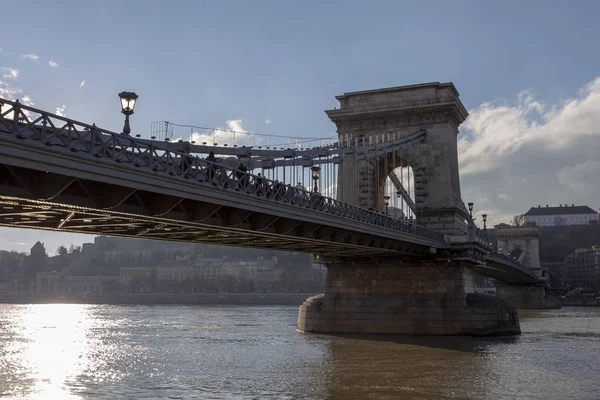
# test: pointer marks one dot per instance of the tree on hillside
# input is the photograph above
(61, 251)
(74, 249)
(518, 220)
(11, 261)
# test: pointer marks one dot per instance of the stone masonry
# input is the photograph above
(431, 294)
(523, 243)
(376, 116)
(425, 297)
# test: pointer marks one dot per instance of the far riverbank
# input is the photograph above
(164, 298)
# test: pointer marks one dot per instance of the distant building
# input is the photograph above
(583, 268)
(562, 215)
(137, 279)
(36, 261)
(53, 282)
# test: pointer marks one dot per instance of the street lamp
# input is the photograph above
(316, 173)
(470, 210)
(127, 103)
(484, 217)
(386, 201)
(401, 200)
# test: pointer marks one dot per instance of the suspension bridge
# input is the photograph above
(379, 204)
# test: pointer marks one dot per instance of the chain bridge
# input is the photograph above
(379, 205)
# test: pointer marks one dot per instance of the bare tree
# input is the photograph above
(518, 220)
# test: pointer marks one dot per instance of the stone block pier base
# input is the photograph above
(428, 298)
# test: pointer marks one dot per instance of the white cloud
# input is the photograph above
(9, 92)
(82, 84)
(234, 133)
(515, 156)
(268, 121)
(10, 73)
(235, 125)
(60, 111)
(27, 101)
(30, 56)
(494, 132)
(52, 63)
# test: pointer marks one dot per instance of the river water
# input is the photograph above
(118, 352)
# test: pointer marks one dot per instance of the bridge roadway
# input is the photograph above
(82, 179)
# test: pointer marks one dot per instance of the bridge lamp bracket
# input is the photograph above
(386, 201)
(316, 174)
(128, 100)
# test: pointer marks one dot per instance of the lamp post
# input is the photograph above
(386, 201)
(316, 173)
(484, 217)
(399, 196)
(127, 103)
(470, 210)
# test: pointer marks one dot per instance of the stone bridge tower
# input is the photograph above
(521, 242)
(375, 116)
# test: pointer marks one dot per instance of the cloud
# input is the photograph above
(234, 133)
(504, 196)
(11, 92)
(60, 111)
(516, 155)
(10, 73)
(27, 101)
(52, 63)
(82, 84)
(8, 91)
(580, 178)
(268, 121)
(30, 56)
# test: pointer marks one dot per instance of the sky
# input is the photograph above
(527, 71)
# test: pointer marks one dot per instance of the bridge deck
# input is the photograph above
(88, 184)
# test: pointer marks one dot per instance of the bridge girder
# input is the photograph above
(78, 206)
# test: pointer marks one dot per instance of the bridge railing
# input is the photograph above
(28, 123)
(480, 236)
(510, 260)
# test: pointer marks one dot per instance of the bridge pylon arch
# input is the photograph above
(372, 117)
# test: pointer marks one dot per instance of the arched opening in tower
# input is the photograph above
(395, 178)
(399, 193)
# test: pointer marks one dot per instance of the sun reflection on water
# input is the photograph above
(52, 347)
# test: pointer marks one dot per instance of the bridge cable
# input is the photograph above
(385, 182)
(409, 168)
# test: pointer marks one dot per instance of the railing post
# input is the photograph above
(16, 115)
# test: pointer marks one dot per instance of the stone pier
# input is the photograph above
(526, 296)
(430, 298)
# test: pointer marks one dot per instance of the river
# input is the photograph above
(62, 351)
